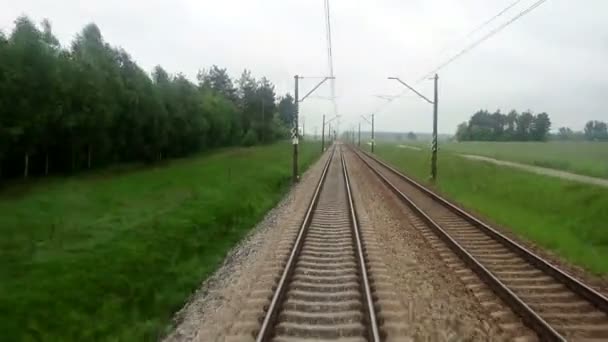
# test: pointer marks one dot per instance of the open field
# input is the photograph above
(565, 217)
(111, 256)
(586, 158)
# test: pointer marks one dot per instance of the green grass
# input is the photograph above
(112, 256)
(566, 217)
(587, 158)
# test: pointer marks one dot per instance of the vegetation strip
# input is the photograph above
(584, 158)
(111, 268)
(497, 263)
(541, 170)
(64, 110)
(563, 216)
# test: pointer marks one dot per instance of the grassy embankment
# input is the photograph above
(586, 158)
(110, 256)
(566, 217)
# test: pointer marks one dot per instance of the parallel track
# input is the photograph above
(555, 305)
(324, 291)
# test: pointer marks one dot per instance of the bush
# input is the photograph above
(250, 138)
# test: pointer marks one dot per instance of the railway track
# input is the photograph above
(324, 291)
(552, 303)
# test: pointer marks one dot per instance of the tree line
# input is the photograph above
(514, 126)
(594, 131)
(90, 105)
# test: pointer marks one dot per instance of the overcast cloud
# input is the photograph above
(555, 59)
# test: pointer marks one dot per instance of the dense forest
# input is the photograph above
(486, 126)
(67, 109)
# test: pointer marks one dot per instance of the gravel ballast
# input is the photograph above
(440, 307)
(422, 291)
(214, 308)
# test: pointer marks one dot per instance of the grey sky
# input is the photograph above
(553, 60)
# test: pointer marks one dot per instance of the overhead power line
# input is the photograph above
(484, 38)
(489, 21)
(471, 46)
(480, 27)
(328, 38)
(330, 60)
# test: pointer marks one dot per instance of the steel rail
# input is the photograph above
(529, 316)
(594, 297)
(373, 332)
(279, 293)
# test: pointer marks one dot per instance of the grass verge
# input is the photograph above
(586, 158)
(566, 217)
(112, 256)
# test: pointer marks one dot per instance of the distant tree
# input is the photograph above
(286, 109)
(100, 85)
(481, 126)
(32, 63)
(486, 126)
(412, 136)
(511, 122)
(498, 121)
(524, 126)
(217, 79)
(601, 131)
(139, 124)
(462, 132)
(564, 133)
(224, 120)
(279, 129)
(247, 99)
(266, 106)
(4, 106)
(540, 127)
(167, 134)
(590, 130)
(596, 130)
(250, 138)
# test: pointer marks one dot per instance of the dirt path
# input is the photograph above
(542, 170)
(410, 147)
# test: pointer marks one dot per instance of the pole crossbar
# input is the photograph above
(296, 129)
(315, 87)
(411, 88)
(435, 104)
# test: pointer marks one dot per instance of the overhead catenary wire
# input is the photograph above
(483, 25)
(389, 99)
(330, 61)
(328, 38)
(489, 21)
(483, 39)
(471, 46)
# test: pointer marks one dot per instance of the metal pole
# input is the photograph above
(329, 134)
(295, 133)
(359, 135)
(323, 135)
(373, 141)
(304, 128)
(434, 147)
